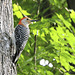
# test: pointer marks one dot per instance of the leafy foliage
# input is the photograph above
(55, 38)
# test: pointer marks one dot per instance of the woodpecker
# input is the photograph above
(22, 32)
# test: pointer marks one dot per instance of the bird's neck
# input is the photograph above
(27, 26)
(23, 23)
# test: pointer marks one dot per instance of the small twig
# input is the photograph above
(35, 52)
(68, 10)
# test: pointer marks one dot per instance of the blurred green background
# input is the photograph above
(50, 49)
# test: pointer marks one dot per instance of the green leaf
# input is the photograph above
(35, 32)
(49, 73)
(64, 63)
(67, 24)
(17, 11)
(18, 14)
(15, 7)
(72, 15)
(67, 74)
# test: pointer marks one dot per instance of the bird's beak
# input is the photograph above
(33, 20)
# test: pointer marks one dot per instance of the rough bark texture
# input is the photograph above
(7, 47)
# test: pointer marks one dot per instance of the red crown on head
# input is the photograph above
(21, 20)
(20, 23)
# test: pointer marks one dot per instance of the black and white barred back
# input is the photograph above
(21, 37)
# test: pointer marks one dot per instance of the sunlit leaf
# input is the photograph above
(72, 15)
(49, 73)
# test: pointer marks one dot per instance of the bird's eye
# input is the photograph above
(27, 19)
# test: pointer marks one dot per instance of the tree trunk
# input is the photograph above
(7, 45)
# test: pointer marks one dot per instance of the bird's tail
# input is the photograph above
(16, 56)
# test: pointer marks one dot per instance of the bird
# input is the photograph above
(22, 33)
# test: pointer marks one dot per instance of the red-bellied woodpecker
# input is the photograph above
(21, 36)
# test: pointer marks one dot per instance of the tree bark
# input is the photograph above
(7, 45)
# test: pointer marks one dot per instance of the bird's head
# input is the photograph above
(26, 21)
